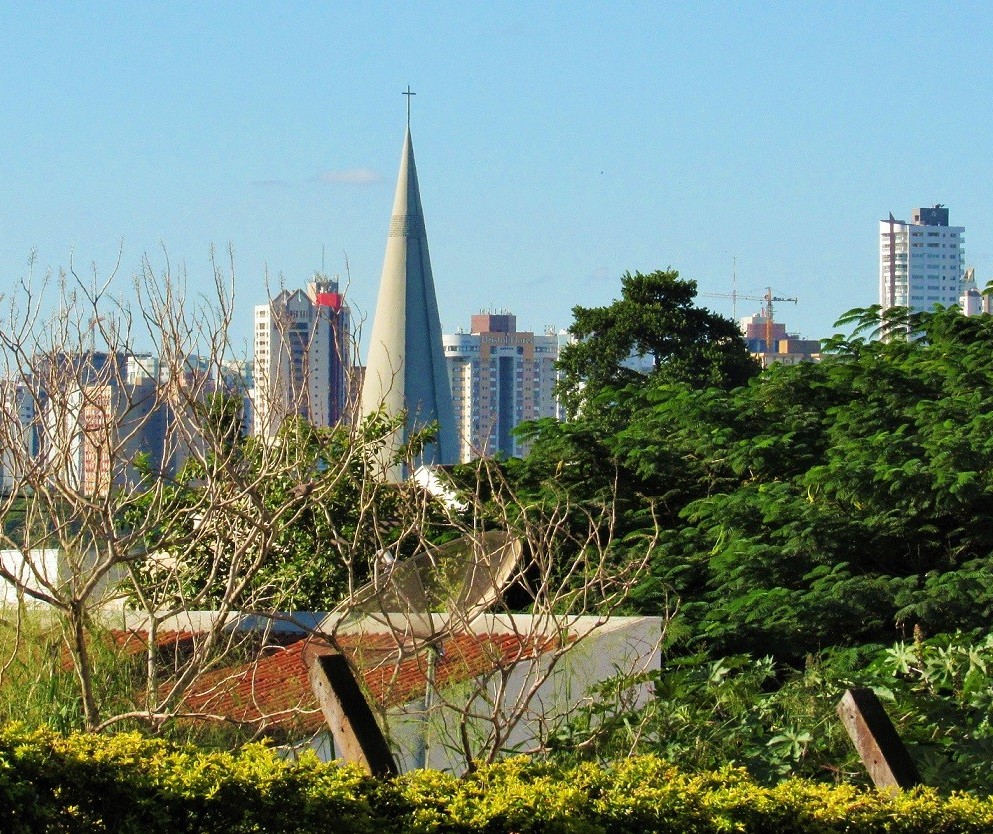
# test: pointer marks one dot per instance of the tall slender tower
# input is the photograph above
(405, 371)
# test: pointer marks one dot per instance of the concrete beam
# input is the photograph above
(877, 741)
(357, 737)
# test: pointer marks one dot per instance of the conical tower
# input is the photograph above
(405, 370)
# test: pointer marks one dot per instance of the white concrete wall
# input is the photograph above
(600, 651)
(44, 570)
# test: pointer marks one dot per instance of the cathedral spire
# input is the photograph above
(408, 94)
(405, 369)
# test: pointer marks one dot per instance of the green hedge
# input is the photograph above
(126, 783)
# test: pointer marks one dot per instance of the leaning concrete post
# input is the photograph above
(357, 737)
(876, 740)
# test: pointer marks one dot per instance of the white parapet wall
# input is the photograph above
(51, 572)
(522, 700)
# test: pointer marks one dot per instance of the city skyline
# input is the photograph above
(558, 147)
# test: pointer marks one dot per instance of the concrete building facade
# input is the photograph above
(302, 341)
(921, 263)
(91, 414)
(500, 377)
(19, 430)
(85, 418)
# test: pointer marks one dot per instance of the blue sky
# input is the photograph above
(557, 145)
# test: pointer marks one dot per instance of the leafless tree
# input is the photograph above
(469, 655)
(127, 486)
(132, 498)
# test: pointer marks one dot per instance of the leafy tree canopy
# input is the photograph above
(829, 504)
(332, 514)
(654, 318)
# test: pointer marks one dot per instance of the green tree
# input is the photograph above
(609, 451)
(827, 504)
(329, 516)
(847, 501)
(655, 318)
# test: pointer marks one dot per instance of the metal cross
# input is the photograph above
(408, 94)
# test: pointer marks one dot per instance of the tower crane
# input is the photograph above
(768, 298)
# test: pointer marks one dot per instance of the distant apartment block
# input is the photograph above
(87, 416)
(769, 342)
(301, 367)
(500, 377)
(83, 419)
(19, 430)
(921, 263)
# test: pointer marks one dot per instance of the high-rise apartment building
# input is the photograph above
(19, 430)
(94, 420)
(500, 378)
(302, 349)
(92, 415)
(921, 262)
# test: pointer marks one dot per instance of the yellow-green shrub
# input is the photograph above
(127, 783)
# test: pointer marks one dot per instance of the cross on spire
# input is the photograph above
(408, 94)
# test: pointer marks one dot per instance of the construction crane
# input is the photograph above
(768, 298)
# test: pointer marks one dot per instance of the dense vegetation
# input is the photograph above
(821, 526)
(125, 783)
(818, 505)
(818, 526)
(779, 723)
(328, 520)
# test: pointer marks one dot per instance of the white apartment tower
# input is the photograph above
(500, 378)
(19, 432)
(302, 349)
(921, 262)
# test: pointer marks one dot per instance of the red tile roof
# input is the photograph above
(466, 656)
(273, 689)
(136, 642)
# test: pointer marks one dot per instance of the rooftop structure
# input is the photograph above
(499, 658)
(769, 342)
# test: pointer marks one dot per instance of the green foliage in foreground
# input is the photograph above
(38, 685)
(778, 723)
(40, 688)
(317, 495)
(128, 784)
